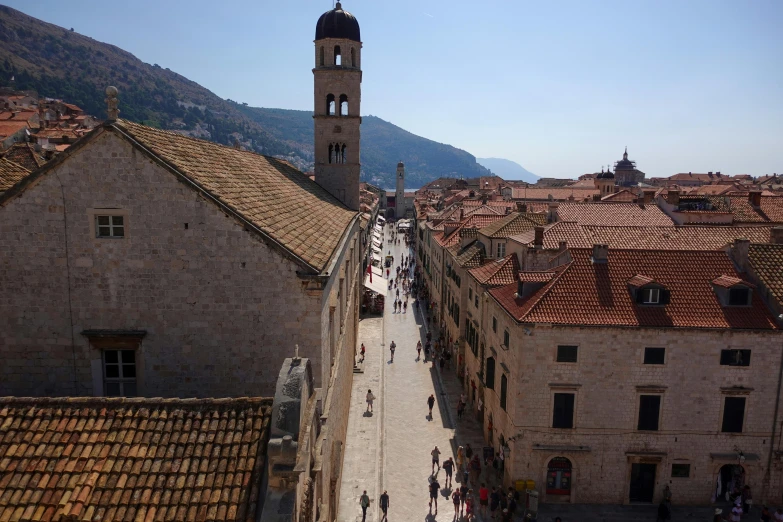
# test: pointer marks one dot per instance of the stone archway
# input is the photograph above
(390, 214)
(559, 484)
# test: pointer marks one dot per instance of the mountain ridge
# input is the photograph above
(60, 63)
(508, 169)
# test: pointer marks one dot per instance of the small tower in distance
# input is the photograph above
(399, 195)
(338, 78)
(604, 182)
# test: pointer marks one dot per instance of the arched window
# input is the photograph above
(330, 106)
(353, 57)
(321, 62)
(338, 60)
(558, 476)
(331, 152)
(342, 154)
(343, 105)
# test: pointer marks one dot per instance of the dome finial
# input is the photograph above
(338, 7)
(625, 154)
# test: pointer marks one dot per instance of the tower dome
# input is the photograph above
(337, 24)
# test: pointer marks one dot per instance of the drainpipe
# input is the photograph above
(768, 476)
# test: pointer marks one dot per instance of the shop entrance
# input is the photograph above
(730, 481)
(558, 478)
(642, 482)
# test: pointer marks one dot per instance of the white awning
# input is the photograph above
(376, 250)
(377, 244)
(377, 236)
(378, 284)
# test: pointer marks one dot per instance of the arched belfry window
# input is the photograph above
(321, 62)
(353, 57)
(343, 105)
(330, 105)
(338, 60)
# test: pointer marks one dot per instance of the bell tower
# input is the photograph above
(338, 79)
(399, 195)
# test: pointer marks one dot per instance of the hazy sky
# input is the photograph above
(560, 87)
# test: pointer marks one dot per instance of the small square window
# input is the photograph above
(735, 357)
(681, 470)
(567, 354)
(739, 296)
(651, 295)
(109, 226)
(654, 355)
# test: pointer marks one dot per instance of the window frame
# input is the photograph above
(573, 410)
(686, 465)
(494, 324)
(723, 413)
(94, 213)
(120, 380)
(648, 292)
(489, 375)
(644, 356)
(744, 353)
(735, 289)
(506, 338)
(558, 359)
(500, 246)
(503, 392)
(641, 397)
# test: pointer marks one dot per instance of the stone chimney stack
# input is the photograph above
(776, 235)
(754, 198)
(674, 197)
(553, 216)
(600, 253)
(521, 207)
(538, 240)
(112, 104)
(740, 252)
(649, 196)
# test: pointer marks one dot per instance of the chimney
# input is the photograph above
(112, 104)
(562, 246)
(649, 195)
(461, 213)
(776, 236)
(538, 239)
(521, 207)
(740, 252)
(674, 197)
(600, 253)
(552, 217)
(596, 197)
(754, 198)
(484, 199)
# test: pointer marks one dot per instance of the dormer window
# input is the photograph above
(647, 292)
(651, 295)
(732, 291)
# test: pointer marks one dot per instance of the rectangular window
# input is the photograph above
(475, 303)
(566, 354)
(654, 355)
(681, 470)
(651, 296)
(501, 250)
(733, 415)
(109, 226)
(563, 415)
(470, 293)
(490, 380)
(506, 339)
(119, 373)
(503, 390)
(494, 325)
(739, 296)
(735, 357)
(649, 412)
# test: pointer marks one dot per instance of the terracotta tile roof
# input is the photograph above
(281, 201)
(535, 277)
(484, 209)
(24, 154)
(568, 231)
(58, 133)
(9, 128)
(640, 280)
(767, 263)
(705, 178)
(469, 257)
(623, 196)
(132, 459)
(769, 211)
(10, 174)
(616, 214)
(498, 272)
(476, 221)
(584, 293)
(554, 194)
(726, 281)
(512, 224)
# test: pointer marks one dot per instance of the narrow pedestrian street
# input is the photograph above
(391, 449)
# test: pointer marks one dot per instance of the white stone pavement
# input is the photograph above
(390, 450)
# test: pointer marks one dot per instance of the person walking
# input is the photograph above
(455, 498)
(469, 507)
(483, 499)
(736, 512)
(460, 458)
(370, 397)
(361, 354)
(431, 403)
(460, 409)
(364, 501)
(405, 307)
(418, 349)
(448, 467)
(392, 347)
(475, 469)
(384, 503)
(435, 459)
(494, 501)
(463, 495)
(434, 489)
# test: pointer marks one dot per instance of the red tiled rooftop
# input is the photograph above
(584, 293)
(132, 459)
(498, 272)
(614, 214)
(726, 281)
(767, 264)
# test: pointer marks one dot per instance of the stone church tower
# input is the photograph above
(399, 195)
(338, 79)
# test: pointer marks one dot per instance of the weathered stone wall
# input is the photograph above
(221, 309)
(607, 380)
